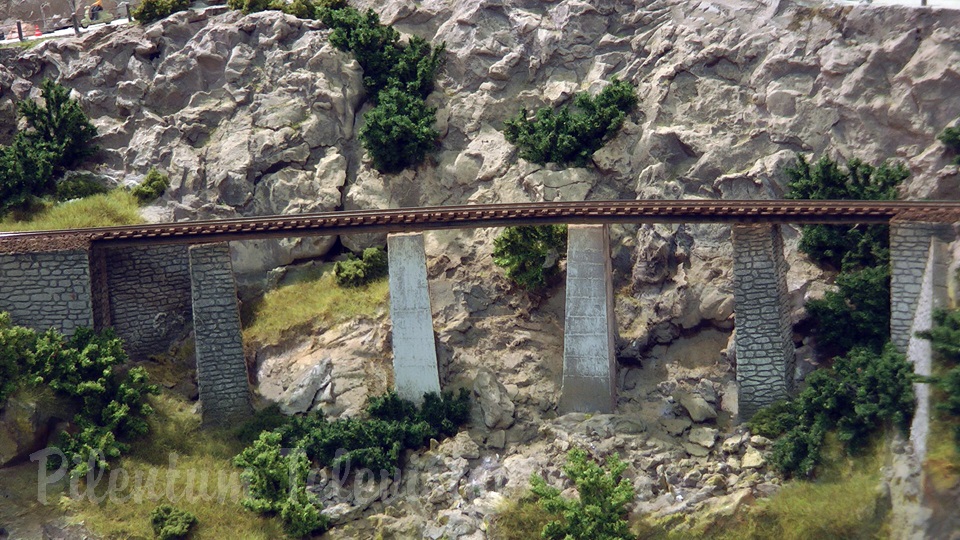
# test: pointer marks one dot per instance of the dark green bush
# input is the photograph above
(600, 512)
(151, 187)
(17, 346)
(398, 132)
(863, 392)
(78, 187)
(253, 6)
(171, 523)
(774, 420)
(951, 139)
(570, 137)
(355, 272)
(857, 314)
(531, 255)
(945, 340)
(153, 10)
(842, 246)
(302, 9)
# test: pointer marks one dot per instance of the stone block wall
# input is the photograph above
(47, 290)
(221, 368)
(909, 252)
(415, 370)
(148, 293)
(765, 351)
(589, 328)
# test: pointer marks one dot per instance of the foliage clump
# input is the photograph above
(600, 510)
(253, 6)
(58, 136)
(112, 407)
(862, 392)
(355, 272)
(530, 256)
(153, 10)
(78, 187)
(398, 132)
(171, 523)
(945, 340)
(951, 138)
(278, 481)
(571, 136)
(151, 187)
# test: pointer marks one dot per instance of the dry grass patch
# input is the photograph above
(519, 517)
(118, 207)
(177, 464)
(314, 301)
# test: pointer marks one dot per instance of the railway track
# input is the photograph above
(488, 215)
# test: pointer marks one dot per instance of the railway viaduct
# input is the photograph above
(149, 282)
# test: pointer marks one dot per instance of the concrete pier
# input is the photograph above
(765, 351)
(221, 368)
(910, 249)
(589, 361)
(414, 350)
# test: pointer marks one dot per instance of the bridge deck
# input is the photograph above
(487, 215)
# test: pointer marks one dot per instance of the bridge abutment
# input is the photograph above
(911, 245)
(415, 368)
(44, 290)
(765, 350)
(589, 330)
(221, 368)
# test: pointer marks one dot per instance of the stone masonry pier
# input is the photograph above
(765, 351)
(221, 368)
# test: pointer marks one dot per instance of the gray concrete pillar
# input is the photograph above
(589, 356)
(221, 369)
(932, 296)
(765, 351)
(909, 252)
(415, 369)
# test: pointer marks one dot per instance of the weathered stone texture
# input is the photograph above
(47, 290)
(589, 361)
(221, 369)
(765, 351)
(909, 252)
(149, 294)
(414, 350)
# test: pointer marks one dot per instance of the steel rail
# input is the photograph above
(494, 215)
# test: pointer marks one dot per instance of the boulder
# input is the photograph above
(752, 459)
(697, 407)
(307, 389)
(704, 436)
(495, 405)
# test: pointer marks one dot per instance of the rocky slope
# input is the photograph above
(258, 114)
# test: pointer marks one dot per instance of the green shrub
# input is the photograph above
(151, 187)
(171, 523)
(863, 392)
(252, 6)
(398, 132)
(774, 420)
(842, 246)
(857, 314)
(945, 340)
(951, 139)
(78, 187)
(531, 255)
(59, 124)
(355, 272)
(302, 9)
(16, 350)
(570, 137)
(600, 511)
(153, 10)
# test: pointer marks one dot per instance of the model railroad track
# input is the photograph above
(491, 215)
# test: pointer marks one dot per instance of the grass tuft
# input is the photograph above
(519, 518)
(118, 207)
(177, 464)
(313, 301)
